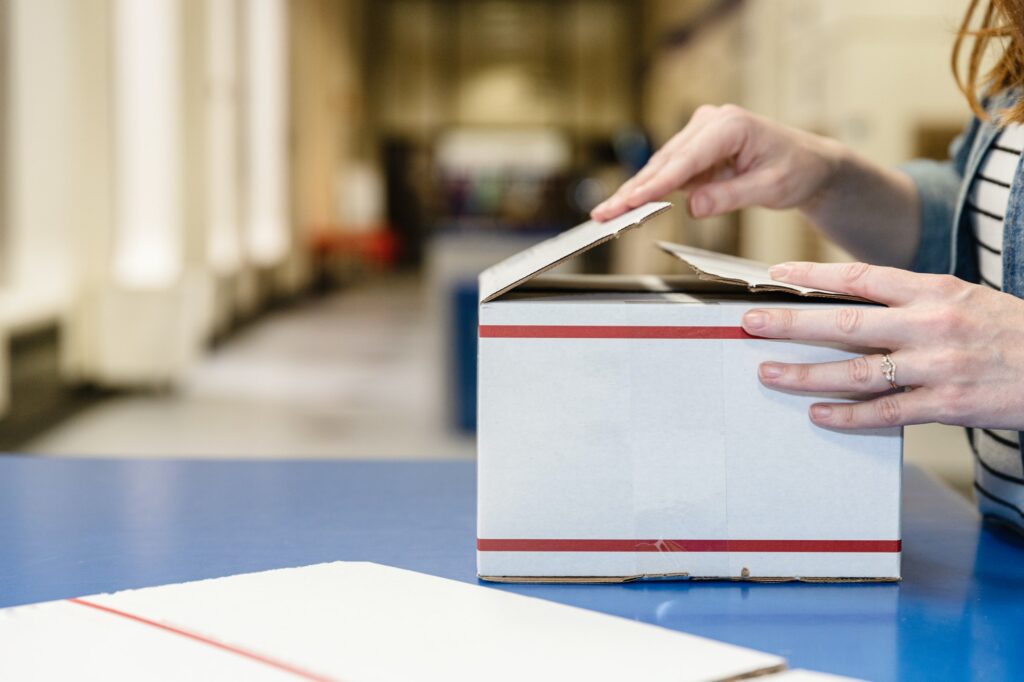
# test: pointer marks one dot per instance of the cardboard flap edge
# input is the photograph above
(732, 270)
(525, 265)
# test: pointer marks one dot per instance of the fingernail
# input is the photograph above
(771, 370)
(780, 271)
(702, 205)
(600, 207)
(755, 320)
(821, 411)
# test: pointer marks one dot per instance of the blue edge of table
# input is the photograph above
(71, 527)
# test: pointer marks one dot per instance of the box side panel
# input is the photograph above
(589, 439)
(671, 445)
(846, 484)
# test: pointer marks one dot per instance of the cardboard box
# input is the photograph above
(623, 432)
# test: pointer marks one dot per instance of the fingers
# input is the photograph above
(616, 204)
(859, 325)
(697, 123)
(858, 375)
(891, 286)
(669, 169)
(720, 140)
(619, 203)
(897, 409)
(760, 188)
(702, 116)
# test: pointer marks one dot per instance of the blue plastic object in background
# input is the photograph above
(464, 324)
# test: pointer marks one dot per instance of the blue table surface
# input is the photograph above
(73, 527)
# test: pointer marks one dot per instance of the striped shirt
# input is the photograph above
(995, 450)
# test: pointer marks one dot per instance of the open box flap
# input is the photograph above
(514, 270)
(717, 267)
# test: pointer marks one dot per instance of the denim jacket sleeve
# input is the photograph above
(938, 187)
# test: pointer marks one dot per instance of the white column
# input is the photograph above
(40, 162)
(224, 247)
(148, 139)
(267, 217)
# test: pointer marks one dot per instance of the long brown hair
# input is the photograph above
(1001, 22)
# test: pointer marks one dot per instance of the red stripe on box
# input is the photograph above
(559, 545)
(238, 651)
(544, 331)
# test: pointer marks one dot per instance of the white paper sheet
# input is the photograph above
(348, 621)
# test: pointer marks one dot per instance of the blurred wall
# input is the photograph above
(496, 70)
(495, 62)
(167, 164)
(147, 175)
(873, 74)
(327, 66)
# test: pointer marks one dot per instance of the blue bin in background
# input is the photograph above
(464, 325)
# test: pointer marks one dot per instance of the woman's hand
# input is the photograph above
(958, 346)
(729, 158)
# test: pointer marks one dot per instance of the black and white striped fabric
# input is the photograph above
(999, 471)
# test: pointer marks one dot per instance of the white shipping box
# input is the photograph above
(623, 432)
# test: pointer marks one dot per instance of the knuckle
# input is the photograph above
(849, 320)
(950, 362)
(775, 180)
(725, 196)
(730, 109)
(944, 321)
(852, 273)
(703, 111)
(859, 370)
(784, 319)
(946, 286)
(844, 415)
(953, 403)
(888, 410)
(802, 271)
(802, 375)
(734, 116)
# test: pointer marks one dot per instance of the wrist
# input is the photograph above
(834, 161)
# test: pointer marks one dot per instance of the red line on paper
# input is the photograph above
(544, 331)
(566, 545)
(238, 651)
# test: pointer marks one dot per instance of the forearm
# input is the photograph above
(871, 211)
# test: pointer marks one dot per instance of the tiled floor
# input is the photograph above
(356, 374)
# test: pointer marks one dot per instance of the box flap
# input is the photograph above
(688, 283)
(717, 267)
(509, 273)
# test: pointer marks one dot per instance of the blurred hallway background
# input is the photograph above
(252, 227)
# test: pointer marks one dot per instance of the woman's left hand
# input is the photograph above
(958, 346)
